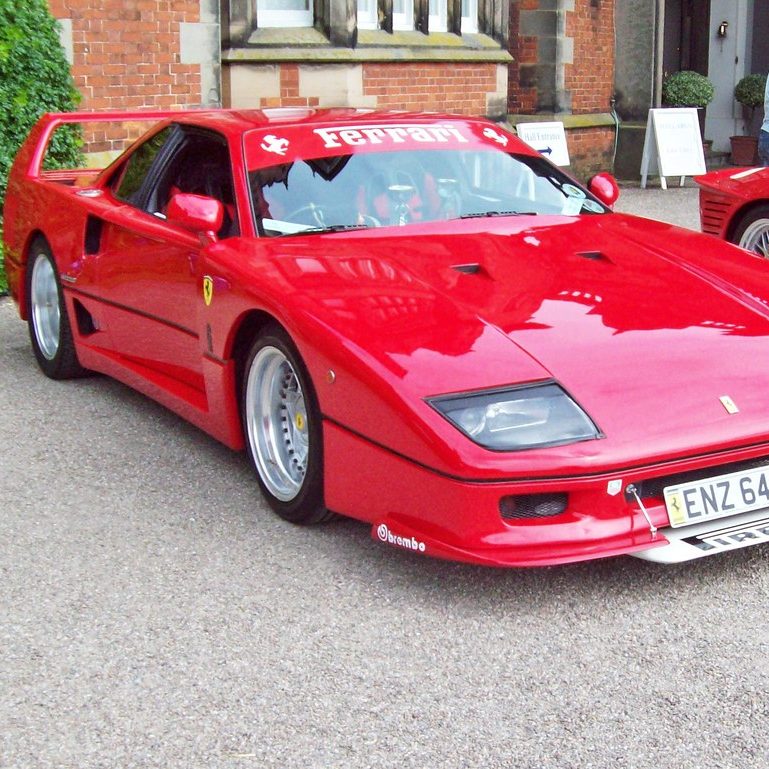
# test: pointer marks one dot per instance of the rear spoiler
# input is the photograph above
(32, 153)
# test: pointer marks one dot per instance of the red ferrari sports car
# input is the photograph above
(734, 205)
(413, 320)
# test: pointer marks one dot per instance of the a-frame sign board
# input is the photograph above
(673, 146)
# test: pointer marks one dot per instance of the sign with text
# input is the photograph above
(549, 139)
(673, 145)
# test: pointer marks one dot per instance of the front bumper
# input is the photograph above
(420, 510)
(711, 538)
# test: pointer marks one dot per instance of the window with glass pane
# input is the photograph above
(284, 13)
(438, 13)
(403, 14)
(469, 16)
(367, 16)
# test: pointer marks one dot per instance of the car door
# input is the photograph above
(149, 270)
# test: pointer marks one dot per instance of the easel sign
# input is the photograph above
(549, 139)
(673, 145)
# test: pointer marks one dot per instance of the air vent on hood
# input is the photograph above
(595, 256)
(468, 269)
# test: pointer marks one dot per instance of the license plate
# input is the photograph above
(717, 497)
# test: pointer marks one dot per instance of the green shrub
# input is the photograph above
(34, 78)
(687, 89)
(750, 90)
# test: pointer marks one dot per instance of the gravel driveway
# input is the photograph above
(153, 613)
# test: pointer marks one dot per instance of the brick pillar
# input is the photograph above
(543, 32)
(139, 54)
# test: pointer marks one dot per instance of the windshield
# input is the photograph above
(378, 189)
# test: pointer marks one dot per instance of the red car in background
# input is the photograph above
(413, 320)
(734, 205)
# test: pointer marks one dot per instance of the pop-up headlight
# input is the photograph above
(518, 418)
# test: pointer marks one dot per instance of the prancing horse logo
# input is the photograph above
(208, 289)
(274, 144)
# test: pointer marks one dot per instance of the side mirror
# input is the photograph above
(604, 187)
(197, 213)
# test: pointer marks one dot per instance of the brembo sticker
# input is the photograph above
(410, 543)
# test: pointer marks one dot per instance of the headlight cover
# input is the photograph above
(517, 418)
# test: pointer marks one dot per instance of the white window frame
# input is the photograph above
(404, 21)
(469, 23)
(439, 22)
(284, 18)
(367, 16)
(367, 12)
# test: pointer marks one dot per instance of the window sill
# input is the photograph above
(306, 44)
(570, 121)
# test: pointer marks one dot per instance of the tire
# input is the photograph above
(282, 427)
(752, 231)
(47, 319)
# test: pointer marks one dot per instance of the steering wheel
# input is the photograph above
(317, 214)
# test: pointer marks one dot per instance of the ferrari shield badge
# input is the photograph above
(208, 289)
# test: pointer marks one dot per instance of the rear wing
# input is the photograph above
(30, 158)
(20, 207)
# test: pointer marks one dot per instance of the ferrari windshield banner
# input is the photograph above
(355, 136)
(278, 144)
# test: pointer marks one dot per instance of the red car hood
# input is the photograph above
(646, 325)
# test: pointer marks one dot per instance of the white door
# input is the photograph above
(727, 62)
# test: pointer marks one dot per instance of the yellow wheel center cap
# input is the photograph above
(300, 422)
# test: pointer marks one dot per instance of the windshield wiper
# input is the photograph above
(329, 228)
(482, 214)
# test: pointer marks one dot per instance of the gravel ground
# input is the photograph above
(155, 614)
(677, 205)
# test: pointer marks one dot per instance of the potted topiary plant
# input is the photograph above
(750, 93)
(688, 89)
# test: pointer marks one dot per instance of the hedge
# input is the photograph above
(34, 78)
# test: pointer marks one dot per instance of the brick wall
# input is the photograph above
(585, 85)
(290, 96)
(590, 151)
(521, 99)
(127, 56)
(458, 87)
(438, 87)
(590, 79)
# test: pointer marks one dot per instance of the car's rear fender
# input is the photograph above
(17, 274)
(738, 214)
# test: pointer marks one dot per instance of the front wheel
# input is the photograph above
(283, 428)
(49, 328)
(752, 232)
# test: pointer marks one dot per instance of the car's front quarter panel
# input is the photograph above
(362, 374)
(378, 341)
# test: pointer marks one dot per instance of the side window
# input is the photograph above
(129, 180)
(200, 166)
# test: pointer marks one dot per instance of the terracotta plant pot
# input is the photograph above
(744, 150)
